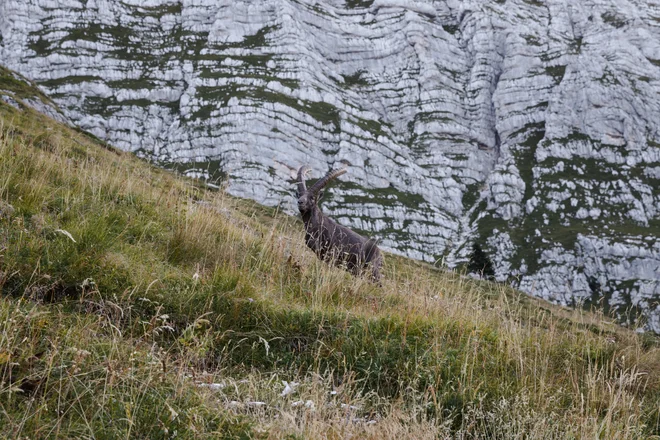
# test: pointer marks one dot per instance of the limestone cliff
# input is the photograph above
(528, 126)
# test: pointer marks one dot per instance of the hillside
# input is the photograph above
(139, 304)
(528, 127)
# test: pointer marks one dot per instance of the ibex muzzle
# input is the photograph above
(330, 241)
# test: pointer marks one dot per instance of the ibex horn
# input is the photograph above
(301, 179)
(318, 186)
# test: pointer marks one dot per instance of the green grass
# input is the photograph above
(613, 19)
(358, 4)
(164, 287)
(556, 72)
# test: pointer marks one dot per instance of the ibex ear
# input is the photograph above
(320, 195)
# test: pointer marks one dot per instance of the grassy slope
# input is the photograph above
(169, 287)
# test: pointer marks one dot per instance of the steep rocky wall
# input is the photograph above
(528, 126)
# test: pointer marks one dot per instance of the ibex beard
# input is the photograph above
(330, 241)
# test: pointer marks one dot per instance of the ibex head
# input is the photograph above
(308, 198)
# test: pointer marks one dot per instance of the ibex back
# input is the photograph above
(333, 242)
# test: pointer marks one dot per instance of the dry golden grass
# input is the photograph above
(140, 304)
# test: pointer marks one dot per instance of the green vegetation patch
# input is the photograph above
(21, 87)
(556, 72)
(613, 19)
(356, 79)
(358, 4)
(139, 304)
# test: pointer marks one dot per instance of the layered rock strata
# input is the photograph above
(528, 126)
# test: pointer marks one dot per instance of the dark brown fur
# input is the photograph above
(330, 241)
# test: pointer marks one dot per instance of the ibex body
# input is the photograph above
(333, 242)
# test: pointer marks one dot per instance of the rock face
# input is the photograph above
(528, 126)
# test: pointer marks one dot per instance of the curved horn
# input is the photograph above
(318, 186)
(301, 179)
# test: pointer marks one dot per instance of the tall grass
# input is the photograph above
(139, 304)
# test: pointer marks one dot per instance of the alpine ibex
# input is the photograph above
(330, 241)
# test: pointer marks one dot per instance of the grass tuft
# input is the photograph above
(139, 304)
